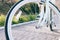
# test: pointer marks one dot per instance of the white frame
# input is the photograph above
(14, 10)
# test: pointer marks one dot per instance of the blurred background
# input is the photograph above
(30, 9)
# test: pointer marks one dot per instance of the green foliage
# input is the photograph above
(2, 20)
(30, 8)
(23, 19)
(14, 21)
(27, 18)
(4, 7)
(9, 4)
(32, 17)
(27, 8)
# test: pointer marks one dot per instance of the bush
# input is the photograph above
(23, 19)
(2, 20)
(4, 7)
(14, 21)
(30, 8)
(32, 17)
(27, 18)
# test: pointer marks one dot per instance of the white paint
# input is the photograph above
(46, 16)
(41, 15)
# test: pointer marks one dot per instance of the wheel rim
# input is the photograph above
(8, 31)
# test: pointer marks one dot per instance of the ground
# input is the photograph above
(29, 32)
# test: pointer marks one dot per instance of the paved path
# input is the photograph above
(28, 32)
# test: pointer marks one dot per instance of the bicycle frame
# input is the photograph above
(19, 4)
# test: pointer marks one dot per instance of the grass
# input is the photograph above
(2, 20)
(22, 19)
(25, 18)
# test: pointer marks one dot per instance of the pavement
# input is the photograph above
(29, 32)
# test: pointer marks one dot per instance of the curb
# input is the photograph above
(25, 23)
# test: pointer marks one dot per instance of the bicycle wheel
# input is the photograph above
(55, 12)
(11, 13)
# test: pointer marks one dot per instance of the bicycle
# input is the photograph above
(13, 10)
